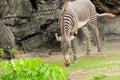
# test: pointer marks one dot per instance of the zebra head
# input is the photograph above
(66, 47)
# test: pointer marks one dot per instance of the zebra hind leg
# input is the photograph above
(74, 47)
(97, 36)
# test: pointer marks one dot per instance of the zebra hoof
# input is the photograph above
(99, 51)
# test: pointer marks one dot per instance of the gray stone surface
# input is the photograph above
(7, 40)
(109, 26)
(107, 6)
(34, 22)
(6, 36)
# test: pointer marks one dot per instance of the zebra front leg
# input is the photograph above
(88, 38)
(74, 47)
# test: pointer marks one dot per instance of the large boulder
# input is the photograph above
(109, 28)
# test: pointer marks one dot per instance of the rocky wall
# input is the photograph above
(34, 22)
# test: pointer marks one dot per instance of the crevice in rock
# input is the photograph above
(48, 22)
(99, 11)
(34, 4)
(110, 6)
(19, 42)
(30, 36)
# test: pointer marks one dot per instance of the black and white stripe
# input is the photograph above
(66, 22)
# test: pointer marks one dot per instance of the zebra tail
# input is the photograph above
(106, 15)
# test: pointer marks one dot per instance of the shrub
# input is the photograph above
(30, 69)
(8, 53)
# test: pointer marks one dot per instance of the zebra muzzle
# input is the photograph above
(67, 60)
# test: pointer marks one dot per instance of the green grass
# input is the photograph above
(98, 76)
(105, 66)
(115, 77)
(105, 63)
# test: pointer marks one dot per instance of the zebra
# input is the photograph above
(75, 15)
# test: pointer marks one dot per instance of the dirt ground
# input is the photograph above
(105, 47)
(56, 56)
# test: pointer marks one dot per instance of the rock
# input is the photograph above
(6, 36)
(7, 40)
(34, 22)
(109, 26)
(112, 6)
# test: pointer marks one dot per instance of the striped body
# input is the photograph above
(75, 15)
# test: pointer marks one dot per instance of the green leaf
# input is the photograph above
(54, 75)
(13, 64)
(47, 74)
(29, 69)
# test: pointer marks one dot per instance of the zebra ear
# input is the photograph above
(58, 38)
